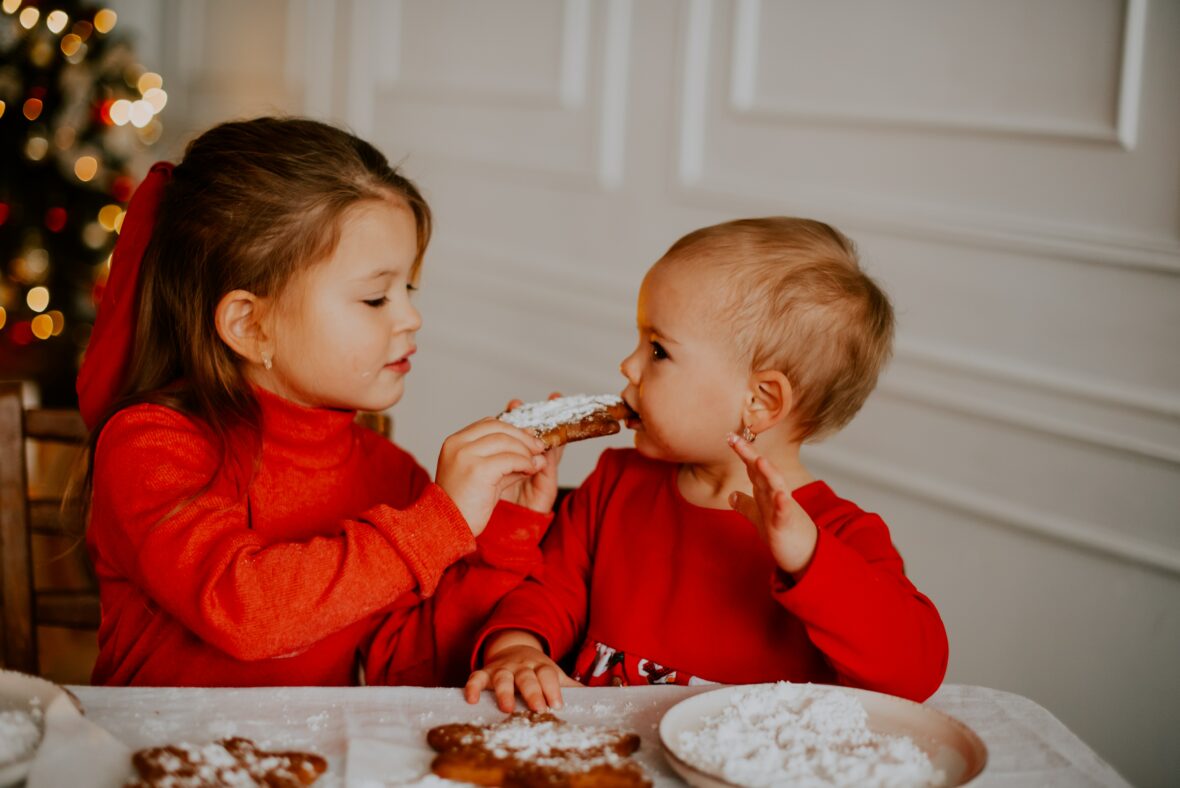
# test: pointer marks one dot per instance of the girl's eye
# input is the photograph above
(376, 302)
(413, 288)
(658, 352)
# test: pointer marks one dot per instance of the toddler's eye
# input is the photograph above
(658, 352)
(412, 288)
(376, 302)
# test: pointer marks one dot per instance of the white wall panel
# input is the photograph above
(1011, 171)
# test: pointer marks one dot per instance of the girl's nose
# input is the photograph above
(411, 320)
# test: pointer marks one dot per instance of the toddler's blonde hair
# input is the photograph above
(798, 302)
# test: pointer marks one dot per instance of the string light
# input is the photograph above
(104, 20)
(10, 6)
(59, 321)
(149, 80)
(70, 44)
(86, 167)
(36, 148)
(37, 298)
(107, 216)
(57, 21)
(28, 18)
(42, 326)
(3, 317)
(32, 108)
(3, 106)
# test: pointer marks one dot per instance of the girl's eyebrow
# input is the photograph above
(374, 275)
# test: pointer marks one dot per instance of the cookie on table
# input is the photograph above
(235, 761)
(566, 419)
(536, 750)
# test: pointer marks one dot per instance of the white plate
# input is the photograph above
(952, 746)
(16, 690)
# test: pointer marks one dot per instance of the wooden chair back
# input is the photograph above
(26, 601)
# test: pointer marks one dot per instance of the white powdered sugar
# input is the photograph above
(20, 731)
(803, 735)
(563, 410)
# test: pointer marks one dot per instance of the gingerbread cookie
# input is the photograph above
(565, 419)
(534, 750)
(234, 761)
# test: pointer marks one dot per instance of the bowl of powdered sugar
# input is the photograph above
(816, 735)
(23, 702)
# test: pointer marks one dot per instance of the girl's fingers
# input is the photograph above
(493, 426)
(496, 442)
(566, 681)
(476, 684)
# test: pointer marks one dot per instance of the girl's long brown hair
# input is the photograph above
(251, 204)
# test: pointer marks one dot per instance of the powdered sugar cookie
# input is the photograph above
(535, 750)
(234, 761)
(565, 419)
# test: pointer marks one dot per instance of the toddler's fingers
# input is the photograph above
(504, 687)
(550, 679)
(745, 506)
(477, 682)
(530, 690)
(566, 681)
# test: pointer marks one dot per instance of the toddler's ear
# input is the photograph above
(770, 400)
(240, 324)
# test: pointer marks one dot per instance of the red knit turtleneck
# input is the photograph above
(337, 533)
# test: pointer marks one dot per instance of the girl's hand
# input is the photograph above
(517, 663)
(788, 530)
(539, 491)
(479, 462)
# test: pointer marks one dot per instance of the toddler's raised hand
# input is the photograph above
(479, 462)
(539, 491)
(516, 662)
(788, 530)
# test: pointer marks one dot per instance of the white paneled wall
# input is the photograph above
(1010, 169)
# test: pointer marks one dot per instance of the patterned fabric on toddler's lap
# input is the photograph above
(599, 665)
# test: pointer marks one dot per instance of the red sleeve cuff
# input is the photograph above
(430, 535)
(482, 638)
(512, 538)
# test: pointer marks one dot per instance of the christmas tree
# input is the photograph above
(77, 113)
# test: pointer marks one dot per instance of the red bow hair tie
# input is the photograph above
(109, 353)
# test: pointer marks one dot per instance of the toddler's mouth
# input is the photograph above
(633, 419)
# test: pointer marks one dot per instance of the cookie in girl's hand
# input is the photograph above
(565, 419)
(536, 750)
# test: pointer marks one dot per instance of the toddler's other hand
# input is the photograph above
(480, 461)
(788, 530)
(519, 665)
(539, 491)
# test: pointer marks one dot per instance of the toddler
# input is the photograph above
(754, 333)
(244, 529)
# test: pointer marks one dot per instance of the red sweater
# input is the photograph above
(646, 586)
(339, 532)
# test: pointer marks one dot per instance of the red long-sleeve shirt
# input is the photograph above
(338, 532)
(635, 574)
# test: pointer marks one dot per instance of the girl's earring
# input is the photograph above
(747, 434)
(266, 360)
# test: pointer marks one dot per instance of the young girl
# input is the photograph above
(761, 329)
(245, 530)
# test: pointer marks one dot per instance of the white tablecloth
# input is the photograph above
(374, 736)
